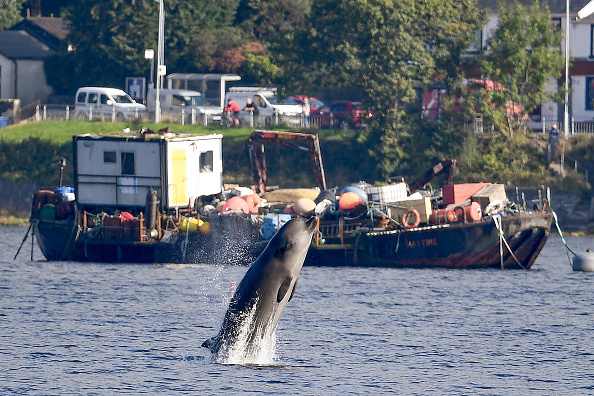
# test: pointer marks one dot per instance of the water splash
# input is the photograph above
(251, 343)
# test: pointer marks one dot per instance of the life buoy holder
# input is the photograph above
(406, 215)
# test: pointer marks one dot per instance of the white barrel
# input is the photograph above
(583, 262)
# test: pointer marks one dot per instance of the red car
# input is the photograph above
(341, 114)
(314, 104)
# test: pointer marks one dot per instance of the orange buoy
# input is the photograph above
(349, 201)
(235, 204)
(253, 201)
(406, 216)
(474, 212)
(126, 216)
(441, 216)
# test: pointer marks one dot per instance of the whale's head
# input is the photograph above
(291, 243)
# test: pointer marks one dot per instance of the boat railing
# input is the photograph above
(116, 228)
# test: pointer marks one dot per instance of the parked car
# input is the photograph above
(94, 101)
(314, 104)
(172, 101)
(267, 103)
(341, 114)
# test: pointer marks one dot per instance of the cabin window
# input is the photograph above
(93, 97)
(206, 162)
(104, 99)
(109, 157)
(589, 93)
(128, 163)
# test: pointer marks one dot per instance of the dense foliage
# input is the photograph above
(522, 56)
(10, 13)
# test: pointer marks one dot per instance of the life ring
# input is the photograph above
(494, 207)
(405, 222)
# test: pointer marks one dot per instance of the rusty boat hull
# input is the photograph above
(505, 241)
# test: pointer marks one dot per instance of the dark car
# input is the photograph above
(341, 114)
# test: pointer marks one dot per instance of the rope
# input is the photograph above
(184, 244)
(567, 249)
(497, 221)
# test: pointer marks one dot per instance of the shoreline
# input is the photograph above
(13, 220)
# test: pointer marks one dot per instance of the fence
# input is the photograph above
(192, 117)
(38, 112)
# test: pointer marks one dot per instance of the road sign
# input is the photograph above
(136, 88)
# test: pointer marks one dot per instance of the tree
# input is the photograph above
(110, 38)
(388, 49)
(10, 13)
(521, 57)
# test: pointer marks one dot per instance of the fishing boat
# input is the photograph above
(137, 197)
(400, 224)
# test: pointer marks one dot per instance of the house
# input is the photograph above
(23, 49)
(581, 51)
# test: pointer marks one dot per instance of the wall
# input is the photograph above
(7, 76)
(32, 84)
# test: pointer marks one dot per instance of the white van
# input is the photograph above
(91, 102)
(173, 101)
(267, 104)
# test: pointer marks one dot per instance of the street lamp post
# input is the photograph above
(150, 54)
(161, 70)
(566, 111)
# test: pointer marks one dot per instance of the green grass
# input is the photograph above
(62, 131)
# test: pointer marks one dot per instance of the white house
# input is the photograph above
(23, 49)
(581, 51)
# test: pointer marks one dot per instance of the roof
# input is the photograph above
(18, 44)
(49, 30)
(555, 6)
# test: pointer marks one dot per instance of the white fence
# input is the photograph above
(65, 113)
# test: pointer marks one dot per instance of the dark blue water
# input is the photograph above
(70, 328)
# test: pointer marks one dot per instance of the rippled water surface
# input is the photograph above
(80, 328)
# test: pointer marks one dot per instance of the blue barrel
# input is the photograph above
(3, 122)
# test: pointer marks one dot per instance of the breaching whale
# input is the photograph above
(263, 293)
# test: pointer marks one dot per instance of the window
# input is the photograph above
(93, 97)
(128, 163)
(82, 96)
(104, 99)
(109, 157)
(258, 101)
(477, 44)
(589, 93)
(206, 162)
(178, 100)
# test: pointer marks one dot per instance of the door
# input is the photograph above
(178, 187)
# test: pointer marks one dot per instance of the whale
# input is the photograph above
(266, 288)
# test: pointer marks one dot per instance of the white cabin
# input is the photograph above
(119, 171)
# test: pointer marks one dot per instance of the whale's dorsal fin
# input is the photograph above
(283, 290)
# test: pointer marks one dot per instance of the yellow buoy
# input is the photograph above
(191, 224)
